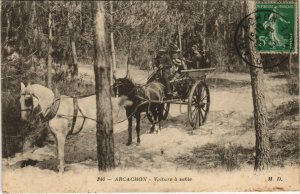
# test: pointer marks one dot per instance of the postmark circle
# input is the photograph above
(263, 34)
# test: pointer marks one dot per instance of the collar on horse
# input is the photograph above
(52, 110)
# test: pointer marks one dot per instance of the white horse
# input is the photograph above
(65, 114)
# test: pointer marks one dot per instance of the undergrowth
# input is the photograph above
(284, 145)
(210, 155)
(16, 134)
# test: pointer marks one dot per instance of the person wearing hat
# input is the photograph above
(206, 59)
(196, 56)
(163, 62)
(176, 58)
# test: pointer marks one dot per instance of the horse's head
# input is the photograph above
(123, 86)
(28, 100)
(35, 99)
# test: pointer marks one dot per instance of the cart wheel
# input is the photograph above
(165, 113)
(199, 101)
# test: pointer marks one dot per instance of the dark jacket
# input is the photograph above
(164, 60)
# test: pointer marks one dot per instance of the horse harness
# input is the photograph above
(52, 110)
(75, 115)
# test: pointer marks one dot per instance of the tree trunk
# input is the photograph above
(7, 28)
(262, 158)
(290, 64)
(204, 26)
(50, 38)
(34, 31)
(129, 57)
(242, 13)
(113, 53)
(80, 16)
(105, 139)
(72, 41)
(179, 38)
(34, 23)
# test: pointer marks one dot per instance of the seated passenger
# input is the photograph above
(196, 57)
(177, 60)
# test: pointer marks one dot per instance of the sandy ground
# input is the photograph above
(163, 154)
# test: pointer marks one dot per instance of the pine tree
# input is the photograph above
(105, 138)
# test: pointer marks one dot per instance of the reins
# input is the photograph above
(145, 101)
(52, 110)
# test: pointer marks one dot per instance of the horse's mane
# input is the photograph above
(129, 78)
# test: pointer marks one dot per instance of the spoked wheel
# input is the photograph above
(199, 101)
(165, 110)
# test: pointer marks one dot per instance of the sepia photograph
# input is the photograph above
(150, 96)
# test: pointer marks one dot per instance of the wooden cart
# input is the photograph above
(190, 88)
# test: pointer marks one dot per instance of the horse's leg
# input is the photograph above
(60, 130)
(61, 140)
(151, 110)
(156, 117)
(129, 118)
(137, 128)
(160, 115)
(157, 114)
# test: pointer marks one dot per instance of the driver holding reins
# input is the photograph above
(163, 62)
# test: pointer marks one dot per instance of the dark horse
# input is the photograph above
(140, 97)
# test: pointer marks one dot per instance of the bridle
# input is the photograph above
(117, 85)
(50, 111)
(28, 96)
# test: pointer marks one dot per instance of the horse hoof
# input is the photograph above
(128, 143)
(138, 143)
(61, 171)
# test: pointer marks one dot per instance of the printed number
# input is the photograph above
(261, 41)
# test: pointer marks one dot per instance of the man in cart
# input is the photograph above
(163, 62)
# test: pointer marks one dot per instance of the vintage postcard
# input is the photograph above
(150, 96)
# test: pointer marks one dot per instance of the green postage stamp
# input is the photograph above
(276, 27)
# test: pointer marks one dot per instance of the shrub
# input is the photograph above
(210, 155)
(229, 156)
